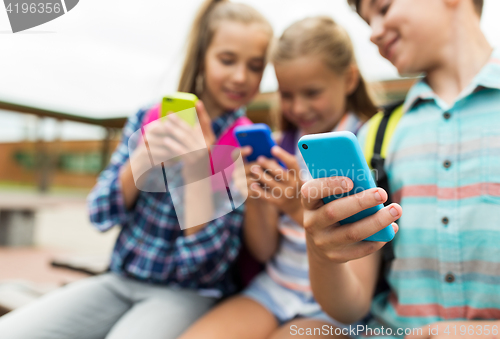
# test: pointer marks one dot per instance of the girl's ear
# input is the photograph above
(351, 79)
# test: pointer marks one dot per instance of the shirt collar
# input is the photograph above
(488, 77)
(223, 122)
(349, 122)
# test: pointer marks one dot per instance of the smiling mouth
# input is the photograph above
(307, 123)
(389, 49)
(235, 95)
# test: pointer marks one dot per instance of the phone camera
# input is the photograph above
(304, 146)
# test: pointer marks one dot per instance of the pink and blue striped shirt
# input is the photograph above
(443, 167)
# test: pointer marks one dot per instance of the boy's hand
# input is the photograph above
(343, 243)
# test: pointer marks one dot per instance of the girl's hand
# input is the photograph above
(205, 124)
(174, 137)
(250, 177)
(343, 243)
(279, 186)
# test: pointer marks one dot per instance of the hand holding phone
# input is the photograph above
(257, 136)
(182, 134)
(282, 183)
(338, 154)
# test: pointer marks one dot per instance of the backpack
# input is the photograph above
(380, 130)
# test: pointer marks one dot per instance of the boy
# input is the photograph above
(443, 167)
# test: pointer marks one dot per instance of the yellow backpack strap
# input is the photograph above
(373, 125)
(380, 130)
(391, 127)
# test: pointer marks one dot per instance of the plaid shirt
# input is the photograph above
(151, 246)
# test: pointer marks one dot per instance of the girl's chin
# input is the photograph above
(233, 107)
(230, 106)
(310, 128)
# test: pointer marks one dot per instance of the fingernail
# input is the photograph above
(395, 228)
(260, 158)
(343, 184)
(394, 212)
(377, 195)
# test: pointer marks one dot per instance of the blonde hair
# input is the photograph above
(211, 13)
(323, 37)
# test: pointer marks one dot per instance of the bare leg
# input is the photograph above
(309, 328)
(236, 318)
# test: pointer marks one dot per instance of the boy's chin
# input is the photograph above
(408, 70)
(410, 74)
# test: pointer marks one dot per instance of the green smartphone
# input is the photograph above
(178, 102)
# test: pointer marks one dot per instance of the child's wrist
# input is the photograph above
(314, 253)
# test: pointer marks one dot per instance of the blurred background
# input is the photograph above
(66, 89)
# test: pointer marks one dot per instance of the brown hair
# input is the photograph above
(322, 36)
(211, 13)
(478, 5)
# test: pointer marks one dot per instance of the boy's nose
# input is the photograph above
(377, 27)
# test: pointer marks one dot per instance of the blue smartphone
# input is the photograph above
(258, 136)
(339, 154)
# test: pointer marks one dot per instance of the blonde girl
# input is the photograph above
(162, 278)
(321, 91)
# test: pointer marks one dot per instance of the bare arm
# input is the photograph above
(282, 194)
(261, 229)
(261, 218)
(356, 280)
(343, 268)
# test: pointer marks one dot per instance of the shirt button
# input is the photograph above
(447, 164)
(445, 221)
(447, 115)
(449, 278)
